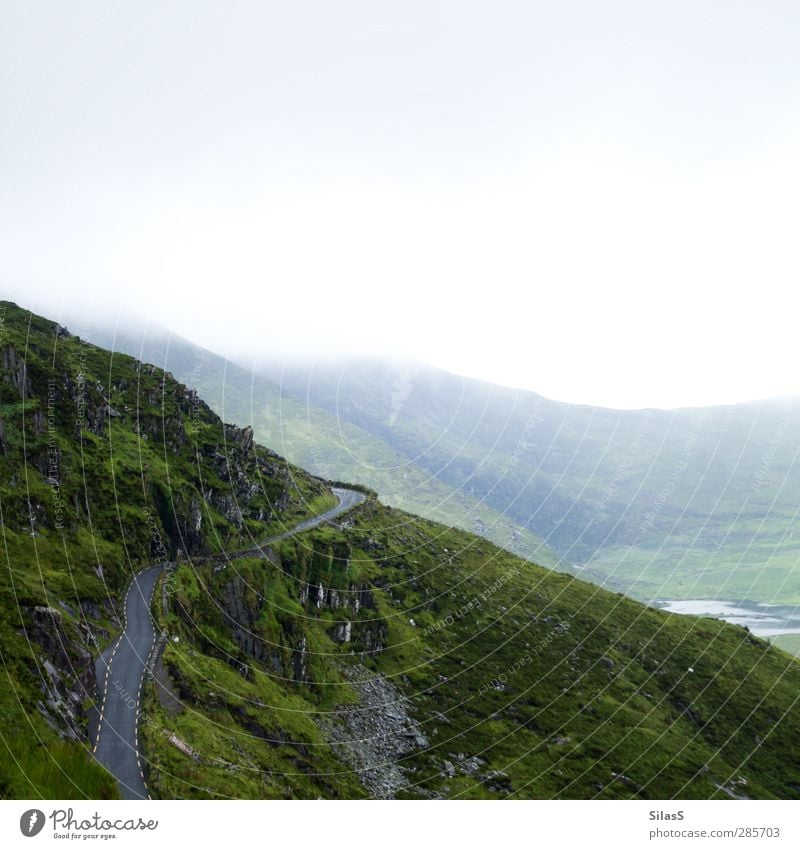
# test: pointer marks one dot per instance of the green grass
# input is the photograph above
(765, 573)
(50, 769)
(251, 737)
(788, 642)
(599, 696)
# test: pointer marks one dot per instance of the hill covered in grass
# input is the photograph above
(383, 656)
(105, 464)
(437, 665)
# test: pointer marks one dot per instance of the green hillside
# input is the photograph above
(385, 655)
(439, 666)
(105, 465)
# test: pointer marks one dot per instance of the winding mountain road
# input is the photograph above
(120, 669)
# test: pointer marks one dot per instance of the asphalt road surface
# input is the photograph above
(347, 498)
(120, 671)
(121, 667)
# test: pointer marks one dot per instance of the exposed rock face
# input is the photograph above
(182, 746)
(352, 599)
(241, 437)
(242, 498)
(165, 688)
(376, 735)
(242, 608)
(65, 668)
(250, 483)
(16, 372)
(285, 652)
(356, 611)
(343, 631)
(300, 671)
(372, 636)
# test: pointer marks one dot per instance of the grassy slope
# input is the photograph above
(124, 481)
(761, 571)
(560, 688)
(788, 642)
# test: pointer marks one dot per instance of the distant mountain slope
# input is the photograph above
(683, 503)
(384, 655)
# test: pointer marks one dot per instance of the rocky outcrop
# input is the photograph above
(65, 668)
(287, 656)
(300, 655)
(376, 735)
(342, 632)
(15, 371)
(242, 608)
(351, 599)
(239, 437)
(357, 619)
(181, 745)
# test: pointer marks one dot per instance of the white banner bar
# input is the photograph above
(348, 825)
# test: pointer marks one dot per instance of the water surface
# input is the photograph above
(763, 620)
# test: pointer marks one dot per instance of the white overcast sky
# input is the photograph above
(595, 200)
